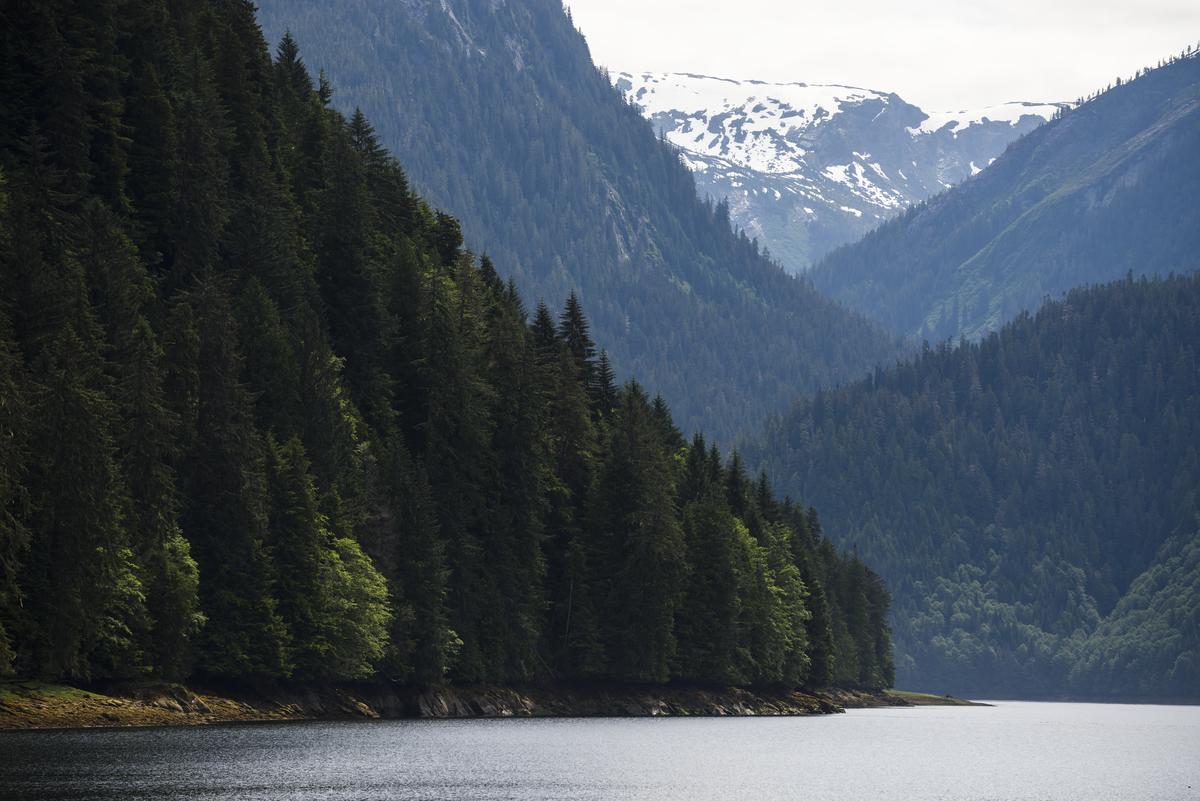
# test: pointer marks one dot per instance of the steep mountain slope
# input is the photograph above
(262, 417)
(498, 115)
(1030, 499)
(1108, 187)
(808, 168)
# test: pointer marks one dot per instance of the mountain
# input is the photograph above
(262, 415)
(1108, 186)
(498, 115)
(1031, 499)
(808, 168)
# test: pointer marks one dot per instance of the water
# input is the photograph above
(1015, 750)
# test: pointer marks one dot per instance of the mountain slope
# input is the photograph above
(1030, 499)
(499, 116)
(808, 168)
(1105, 188)
(262, 417)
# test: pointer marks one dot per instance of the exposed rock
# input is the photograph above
(36, 705)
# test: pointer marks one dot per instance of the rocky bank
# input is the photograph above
(30, 704)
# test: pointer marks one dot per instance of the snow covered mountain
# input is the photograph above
(808, 168)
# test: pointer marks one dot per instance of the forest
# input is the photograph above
(1031, 499)
(499, 113)
(262, 414)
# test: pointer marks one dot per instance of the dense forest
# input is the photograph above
(1105, 187)
(264, 415)
(1031, 499)
(497, 112)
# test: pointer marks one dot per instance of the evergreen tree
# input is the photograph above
(85, 601)
(148, 449)
(14, 494)
(573, 330)
(224, 516)
(633, 509)
(544, 331)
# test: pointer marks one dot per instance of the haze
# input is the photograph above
(938, 54)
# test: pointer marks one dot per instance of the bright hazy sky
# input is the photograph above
(941, 55)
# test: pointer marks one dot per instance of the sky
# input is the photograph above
(941, 55)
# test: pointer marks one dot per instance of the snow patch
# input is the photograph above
(755, 124)
(958, 121)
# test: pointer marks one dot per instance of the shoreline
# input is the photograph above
(43, 705)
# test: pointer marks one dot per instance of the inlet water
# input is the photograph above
(1014, 750)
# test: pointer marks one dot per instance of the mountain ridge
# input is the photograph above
(500, 117)
(1103, 189)
(839, 160)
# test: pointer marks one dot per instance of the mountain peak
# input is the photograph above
(808, 167)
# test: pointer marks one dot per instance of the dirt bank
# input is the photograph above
(30, 704)
(36, 705)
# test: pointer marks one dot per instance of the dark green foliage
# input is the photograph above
(1015, 492)
(265, 415)
(14, 494)
(633, 516)
(148, 448)
(224, 511)
(84, 600)
(708, 614)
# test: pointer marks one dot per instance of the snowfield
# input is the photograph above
(789, 156)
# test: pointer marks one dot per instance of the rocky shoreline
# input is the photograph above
(36, 705)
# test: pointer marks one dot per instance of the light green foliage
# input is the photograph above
(356, 600)
(1149, 644)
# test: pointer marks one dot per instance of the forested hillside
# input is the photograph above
(1031, 499)
(263, 415)
(1104, 188)
(498, 113)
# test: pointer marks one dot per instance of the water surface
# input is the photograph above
(1014, 750)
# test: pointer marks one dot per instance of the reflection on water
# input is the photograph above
(1015, 750)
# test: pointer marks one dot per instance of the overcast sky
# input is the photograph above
(941, 55)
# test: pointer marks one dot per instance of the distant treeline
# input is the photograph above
(261, 414)
(1031, 499)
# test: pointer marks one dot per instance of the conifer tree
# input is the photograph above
(224, 517)
(14, 494)
(606, 385)
(83, 594)
(290, 72)
(201, 203)
(148, 449)
(707, 621)
(296, 539)
(513, 517)
(633, 508)
(349, 280)
(422, 646)
(573, 330)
